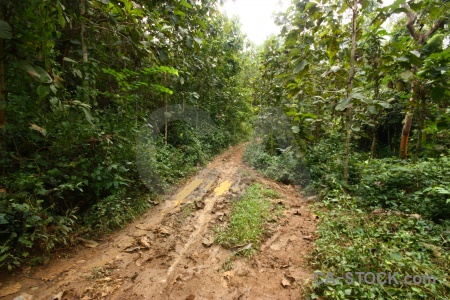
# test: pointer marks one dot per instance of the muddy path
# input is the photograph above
(169, 253)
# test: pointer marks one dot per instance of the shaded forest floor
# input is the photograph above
(169, 252)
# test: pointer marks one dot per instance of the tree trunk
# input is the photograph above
(422, 109)
(420, 38)
(3, 97)
(374, 143)
(375, 96)
(351, 75)
(407, 126)
(84, 51)
(166, 119)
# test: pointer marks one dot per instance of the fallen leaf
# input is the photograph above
(131, 249)
(88, 243)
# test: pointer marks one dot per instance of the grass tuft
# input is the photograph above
(248, 221)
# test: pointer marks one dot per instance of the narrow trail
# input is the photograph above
(168, 253)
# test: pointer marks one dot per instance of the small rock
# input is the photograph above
(308, 238)
(164, 231)
(208, 242)
(144, 242)
(199, 204)
(57, 296)
(285, 282)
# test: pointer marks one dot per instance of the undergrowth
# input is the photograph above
(391, 216)
(354, 240)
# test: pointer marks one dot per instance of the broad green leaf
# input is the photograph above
(372, 110)
(295, 129)
(201, 23)
(300, 66)
(78, 73)
(198, 40)
(43, 91)
(87, 114)
(165, 27)
(397, 256)
(69, 60)
(5, 30)
(415, 52)
(343, 104)
(185, 4)
(180, 13)
(358, 96)
(36, 72)
(332, 48)
(384, 104)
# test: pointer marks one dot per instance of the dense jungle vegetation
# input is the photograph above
(78, 80)
(350, 102)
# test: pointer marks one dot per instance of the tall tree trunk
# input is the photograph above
(422, 109)
(166, 118)
(407, 126)
(351, 75)
(375, 96)
(84, 50)
(420, 38)
(3, 95)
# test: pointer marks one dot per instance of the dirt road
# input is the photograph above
(169, 253)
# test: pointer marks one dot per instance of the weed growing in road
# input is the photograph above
(227, 264)
(248, 221)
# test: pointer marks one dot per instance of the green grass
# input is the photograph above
(353, 240)
(248, 219)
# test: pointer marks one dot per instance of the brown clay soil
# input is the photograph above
(168, 253)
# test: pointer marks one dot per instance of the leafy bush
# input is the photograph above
(422, 187)
(285, 167)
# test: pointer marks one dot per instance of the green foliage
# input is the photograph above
(285, 167)
(420, 187)
(352, 240)
(77, 103)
